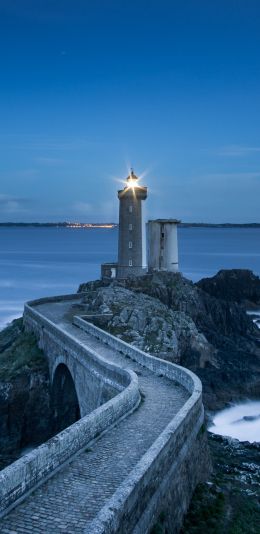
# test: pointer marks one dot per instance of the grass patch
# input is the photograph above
(22, 352)
(229, 502)
(207, 512)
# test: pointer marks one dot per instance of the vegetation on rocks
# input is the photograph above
(19, 352)
(25, 405)
(229, 501)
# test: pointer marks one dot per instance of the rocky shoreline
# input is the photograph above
(201, 326)
(229, 501)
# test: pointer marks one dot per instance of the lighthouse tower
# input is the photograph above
(131, 255)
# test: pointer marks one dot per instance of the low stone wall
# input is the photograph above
(57, 298)
(160, 367)
(30, 470)
(168, 473)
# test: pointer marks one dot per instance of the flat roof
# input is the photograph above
(165, 221)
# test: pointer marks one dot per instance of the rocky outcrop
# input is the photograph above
(236, 285)
(212, 336)
(146, 323)
(25, 414)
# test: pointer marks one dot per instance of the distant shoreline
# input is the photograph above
(115, 225)
(60, 225)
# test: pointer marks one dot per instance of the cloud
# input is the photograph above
(10, 204)
(238, 150)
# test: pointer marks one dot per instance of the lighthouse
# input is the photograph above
(131, 240)
(162, 237)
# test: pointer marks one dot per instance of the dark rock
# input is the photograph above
(223, 504)
(237, 285)
(25, 412)
(10, 333)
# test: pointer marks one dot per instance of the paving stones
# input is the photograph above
(71, 499)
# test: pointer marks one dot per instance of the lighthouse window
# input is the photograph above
(130, 209)
(130, 263)
(130, 226)
(130, 244)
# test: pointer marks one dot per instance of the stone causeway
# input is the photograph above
(137, 450)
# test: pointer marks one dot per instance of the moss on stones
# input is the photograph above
(19, 352)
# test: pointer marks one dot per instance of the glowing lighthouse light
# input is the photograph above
(132, 180)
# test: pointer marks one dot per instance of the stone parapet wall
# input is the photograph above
(183, 376)
(58, 298)
(167, 474)
(162, 481)
(26, 473)
(43, 327)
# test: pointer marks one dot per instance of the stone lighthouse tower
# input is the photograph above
(131, 260)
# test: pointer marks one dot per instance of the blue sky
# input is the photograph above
(89, 88)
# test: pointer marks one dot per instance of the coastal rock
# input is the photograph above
(236, 285)
(208, 313)
(222, 504)
(25, 412)
(147, 323)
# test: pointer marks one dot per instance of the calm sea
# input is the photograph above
(36, 262)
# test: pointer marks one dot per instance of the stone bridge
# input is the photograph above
(138, 448)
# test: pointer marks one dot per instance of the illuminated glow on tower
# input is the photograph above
(131, 257)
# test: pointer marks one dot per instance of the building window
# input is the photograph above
(130, 244)
(130, 209)
(130, 263)
(130, 227)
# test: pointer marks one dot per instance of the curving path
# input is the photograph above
(71, 498)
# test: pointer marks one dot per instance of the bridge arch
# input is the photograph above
(65, 400)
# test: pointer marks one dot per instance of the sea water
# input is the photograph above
(241, 421)
(37, 262)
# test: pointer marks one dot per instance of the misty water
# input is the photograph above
(241, 421)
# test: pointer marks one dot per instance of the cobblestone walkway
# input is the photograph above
(70, 500)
